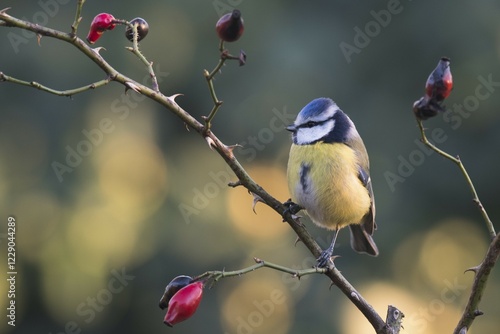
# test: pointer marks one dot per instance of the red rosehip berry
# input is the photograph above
(184, 303)
(99, 25)
(440, 82)
(437, 88)
(230, 26)
(175, 285)
(142, 29)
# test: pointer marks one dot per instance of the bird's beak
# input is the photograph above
(291, 128)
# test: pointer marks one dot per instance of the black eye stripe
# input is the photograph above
(310, 124)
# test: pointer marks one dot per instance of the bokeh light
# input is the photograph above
(258, 304)
(264, 223)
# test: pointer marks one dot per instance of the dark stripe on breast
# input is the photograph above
(304, 173)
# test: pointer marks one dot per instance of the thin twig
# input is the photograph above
(68, 92)
(78, 17)
(217, 275)
(475, 197)
(209, 76)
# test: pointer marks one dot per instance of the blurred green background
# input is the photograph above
(145, 201)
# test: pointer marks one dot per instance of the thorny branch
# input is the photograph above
(483, 270)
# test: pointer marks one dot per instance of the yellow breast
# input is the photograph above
(323, 178)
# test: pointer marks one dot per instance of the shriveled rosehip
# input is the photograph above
(142, 29)
(440, 82)
(184, 303)
(230, 26)
(175, 285)
(426, 108)
(99, 25)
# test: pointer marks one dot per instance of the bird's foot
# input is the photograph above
(325, 257)
(291, 207)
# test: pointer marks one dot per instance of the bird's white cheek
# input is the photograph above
(310, 135)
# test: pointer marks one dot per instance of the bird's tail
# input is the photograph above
(361, 241)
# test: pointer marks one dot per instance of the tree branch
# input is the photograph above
(481, 275)
(483, 270)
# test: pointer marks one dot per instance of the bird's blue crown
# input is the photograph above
(317, 107)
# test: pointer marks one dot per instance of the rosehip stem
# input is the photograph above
(224, 55)
(135, 50)
(456, 160)
(210, 76)
(78, 17)
(217, 275)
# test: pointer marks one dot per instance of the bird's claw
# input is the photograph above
(291, 207)
(325, 257)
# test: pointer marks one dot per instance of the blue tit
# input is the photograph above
(328, 175)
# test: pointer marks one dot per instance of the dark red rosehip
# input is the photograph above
(184, 303)
(142, 29)
(175, 285)
(440, 82)
(425, 108)
(99, 25)
(230, 26)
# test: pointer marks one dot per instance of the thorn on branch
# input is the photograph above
(478, 313)
(229, 149)
(296, 242)
(211, 143)
(98, 49)
(256, 199)
(173, 97)
(473, 269)
(133, 86)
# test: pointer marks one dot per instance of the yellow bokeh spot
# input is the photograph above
(98, 240)
(449, 249)
(266, 223)
(132, 175)
(258, 305)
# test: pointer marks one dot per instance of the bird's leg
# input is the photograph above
(292, 207)
(327, 253)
